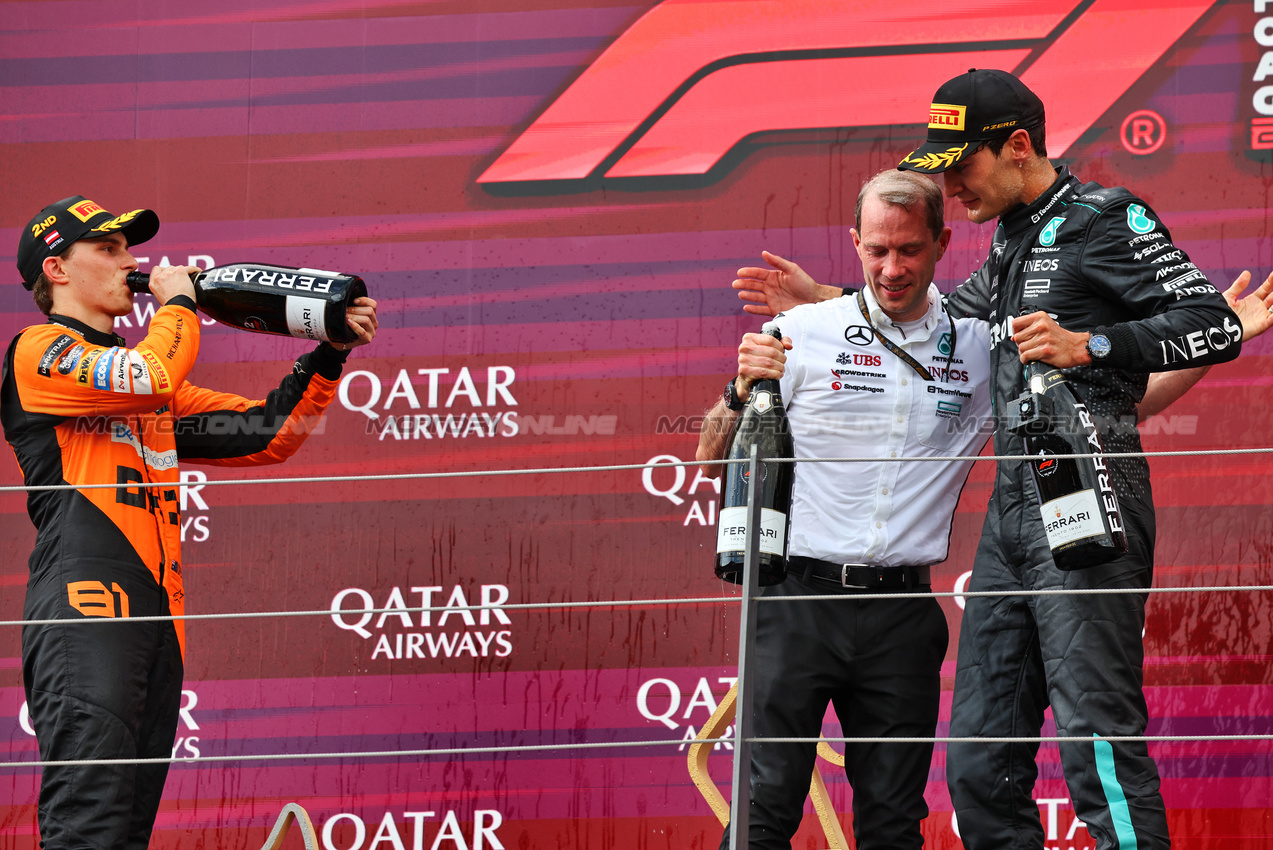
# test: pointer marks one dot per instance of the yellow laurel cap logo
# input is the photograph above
(935, 161)
(116, 223)
(946, 116)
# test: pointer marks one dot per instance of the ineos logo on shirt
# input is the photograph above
(859, 334)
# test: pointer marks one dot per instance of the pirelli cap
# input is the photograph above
(69, 220)
(975, 107)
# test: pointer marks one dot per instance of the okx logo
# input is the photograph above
(687, 82)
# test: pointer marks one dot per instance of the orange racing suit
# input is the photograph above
(81, 408)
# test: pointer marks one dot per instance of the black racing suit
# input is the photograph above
(1099, 260)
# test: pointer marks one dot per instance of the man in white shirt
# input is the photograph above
(881, 373)
(848, 393)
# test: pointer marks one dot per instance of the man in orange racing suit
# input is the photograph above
(79, 407)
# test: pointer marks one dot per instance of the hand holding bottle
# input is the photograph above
(361, 319)
(763, 424)
(1039, 338)
(760, 357)
(167, 282)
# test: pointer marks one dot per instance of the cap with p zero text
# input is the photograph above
(69, 220)
(975, 107)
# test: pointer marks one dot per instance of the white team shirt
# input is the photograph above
(848, 396)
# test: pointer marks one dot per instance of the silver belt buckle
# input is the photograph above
(844, 577)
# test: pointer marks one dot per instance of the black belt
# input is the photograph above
(862, 577)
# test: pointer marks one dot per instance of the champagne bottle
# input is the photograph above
(764, 423)
(1076, 495)
(268, 299)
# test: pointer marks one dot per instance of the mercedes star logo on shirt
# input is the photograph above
(859, 335)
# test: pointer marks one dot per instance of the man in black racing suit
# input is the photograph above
(1081, 256)
(1098, 262)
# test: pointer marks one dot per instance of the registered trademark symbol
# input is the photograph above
(1143, 132)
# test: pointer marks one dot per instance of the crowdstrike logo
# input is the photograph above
(674, 94)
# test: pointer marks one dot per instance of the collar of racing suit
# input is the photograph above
(90, 334)
(1024, 216)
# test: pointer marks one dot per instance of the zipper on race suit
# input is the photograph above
(152, 504)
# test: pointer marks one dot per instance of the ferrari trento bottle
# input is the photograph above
(305, 303)
(763, 423)
(1076, 495)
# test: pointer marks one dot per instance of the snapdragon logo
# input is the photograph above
(459, 630)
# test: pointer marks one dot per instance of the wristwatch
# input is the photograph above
(1098, 346)
(732, 401)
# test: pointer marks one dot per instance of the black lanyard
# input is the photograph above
(902, 355)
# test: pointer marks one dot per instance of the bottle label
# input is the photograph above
(1074, 516)
(305, 318)
(267, 278)
(731, 533)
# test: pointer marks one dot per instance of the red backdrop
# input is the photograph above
(549, 199)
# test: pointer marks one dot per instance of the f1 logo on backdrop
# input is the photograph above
(670, 96)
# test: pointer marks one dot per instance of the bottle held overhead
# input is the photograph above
(270, 299)
(763, 423)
